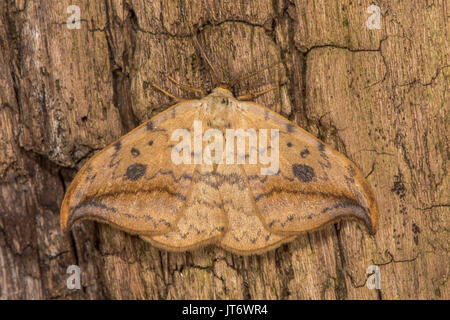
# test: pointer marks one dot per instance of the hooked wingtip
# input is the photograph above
(64, 215)
(370, 218)
(370, 224)
(371, 211)
(373, 218)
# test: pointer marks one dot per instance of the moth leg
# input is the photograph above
(177, 99)
(187, 87)
(251, 96)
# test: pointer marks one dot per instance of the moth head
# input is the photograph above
(223, 91)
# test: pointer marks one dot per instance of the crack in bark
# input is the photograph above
(393, 260)
(432, 206)
(341, 286)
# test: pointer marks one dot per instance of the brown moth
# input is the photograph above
(134, 184)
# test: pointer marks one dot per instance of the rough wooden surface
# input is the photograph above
(379, 96)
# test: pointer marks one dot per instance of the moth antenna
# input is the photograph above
(194, 31)
(251, 96)
(187, 87)
(177, 99)
(205, 57)
(235, 82)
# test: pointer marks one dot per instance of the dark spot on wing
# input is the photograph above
(225, 101)
(135, 152)
(321, 147)
(91, 177)
(150, 142)
(289, 127)
(303, 172)
(304, 153)
(289, 144)
(136, 171)
(351, 171)
(114, 161)
(349, 179)
(327, 163)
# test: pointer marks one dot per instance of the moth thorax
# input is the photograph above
(218, 114)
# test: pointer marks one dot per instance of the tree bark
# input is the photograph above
(380, 96)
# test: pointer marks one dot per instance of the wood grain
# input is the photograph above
(378, 96)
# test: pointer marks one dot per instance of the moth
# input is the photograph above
(179, 183)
